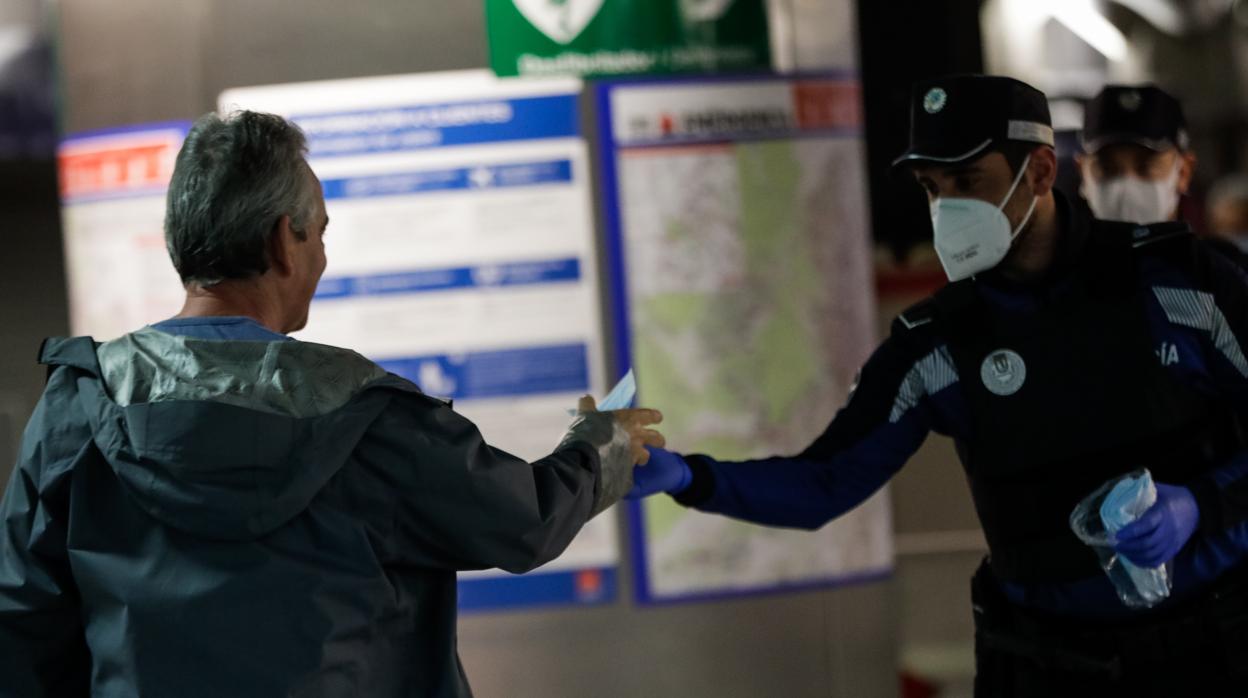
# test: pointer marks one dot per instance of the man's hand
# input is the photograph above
(1157, 536)
(666, 472)
(636, 423)
(621, 438)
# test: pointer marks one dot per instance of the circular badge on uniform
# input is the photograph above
(1003, 372)
(935, 100)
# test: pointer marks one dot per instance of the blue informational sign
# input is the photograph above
(459, 278)
(583, 587)
(419, 127)
(462, 256)
(525, 174)
(504, 373)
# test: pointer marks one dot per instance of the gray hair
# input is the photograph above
(234, 179)
(1231, 188)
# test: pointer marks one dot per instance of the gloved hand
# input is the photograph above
(1157, 536)
(621, 438)
(666, 472)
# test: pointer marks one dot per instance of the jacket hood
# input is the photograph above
(223, 439)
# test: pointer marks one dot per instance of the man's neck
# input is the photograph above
(1035, 251)
(230, 299)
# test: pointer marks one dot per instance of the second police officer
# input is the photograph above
(1137, 160)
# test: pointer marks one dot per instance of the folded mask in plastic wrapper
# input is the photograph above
(622, 395)
(1097, 520)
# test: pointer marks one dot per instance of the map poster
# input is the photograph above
(738, 231)
(462, 256)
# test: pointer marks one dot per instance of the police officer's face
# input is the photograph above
(987, 179)
(1132, 160)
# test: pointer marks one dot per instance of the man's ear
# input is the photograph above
(1187, 168)
(282, 248)
(1042, 170)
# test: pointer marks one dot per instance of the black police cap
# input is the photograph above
(1145, 115)
(958, 118)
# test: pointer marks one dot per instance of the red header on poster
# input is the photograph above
(123, 164)
(828, 104)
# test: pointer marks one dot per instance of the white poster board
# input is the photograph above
(113, 187)
(462, 256)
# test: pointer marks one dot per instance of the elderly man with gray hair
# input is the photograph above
(206, 507)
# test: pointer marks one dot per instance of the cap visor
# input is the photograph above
(1155, 144)
(918, 156)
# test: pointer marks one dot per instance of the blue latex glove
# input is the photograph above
(666, 472)
(1157, 536)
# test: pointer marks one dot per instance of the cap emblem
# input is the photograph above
(1130, 100)
(935, 100)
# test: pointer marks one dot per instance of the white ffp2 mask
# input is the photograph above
(1132, 199)
(972, 236)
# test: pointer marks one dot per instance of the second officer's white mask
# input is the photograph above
(1132, 199)
(973, 236)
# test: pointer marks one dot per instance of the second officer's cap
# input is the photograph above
(1145, 115)
(958, 118)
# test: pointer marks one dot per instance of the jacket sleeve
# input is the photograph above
(452, 501)
(1216, 310)
(887, 418)
(42, 645)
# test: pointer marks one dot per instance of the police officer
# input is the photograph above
(1137, 161)
(1065, 352)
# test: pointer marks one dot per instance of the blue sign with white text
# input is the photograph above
(502, 373)
(440, 125)
(525, 174)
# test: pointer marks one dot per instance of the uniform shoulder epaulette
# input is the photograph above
(918, 315)
(1151, 236)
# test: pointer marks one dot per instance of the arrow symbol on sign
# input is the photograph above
(561, 20)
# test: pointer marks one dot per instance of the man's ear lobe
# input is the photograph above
(1044, 171)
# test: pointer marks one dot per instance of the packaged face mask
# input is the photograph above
(1097, 520)
(622, 395)
(1132, 199)
(973, 236)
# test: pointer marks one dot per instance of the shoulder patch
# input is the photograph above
(918, 315)
(1143, 236)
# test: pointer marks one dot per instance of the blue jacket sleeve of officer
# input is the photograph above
(887, 418)
(42, 647)
(1215, 311)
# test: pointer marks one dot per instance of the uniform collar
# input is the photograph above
(1073, 230)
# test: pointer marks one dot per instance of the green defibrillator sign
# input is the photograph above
(626, 37)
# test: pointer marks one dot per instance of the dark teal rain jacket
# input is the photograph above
(228, 518)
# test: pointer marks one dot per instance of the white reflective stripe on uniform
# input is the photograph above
(929, 375)
(1198, 310)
